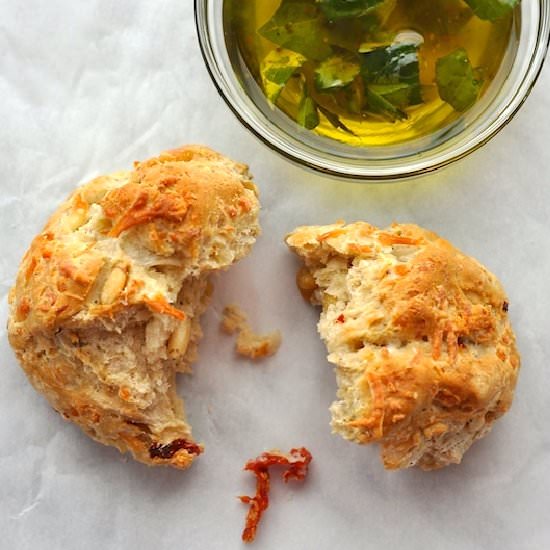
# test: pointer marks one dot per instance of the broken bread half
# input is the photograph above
(425, 355)
(106, 306)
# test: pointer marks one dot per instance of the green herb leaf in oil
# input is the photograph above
(276, 69)
(427, 15)
(308, 116)
(341, 9)
(350, 33)
(396, 94)
(336, 71)
(392, 76)
(377, 104)
(391, 64)
(297, 26)
(457, 81)
(492, 10)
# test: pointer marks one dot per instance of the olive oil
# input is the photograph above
(382, 73)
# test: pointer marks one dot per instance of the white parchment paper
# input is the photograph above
(89, 87)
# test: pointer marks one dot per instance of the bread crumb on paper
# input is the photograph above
(249, 344)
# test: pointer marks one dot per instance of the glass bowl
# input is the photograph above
(507, 93)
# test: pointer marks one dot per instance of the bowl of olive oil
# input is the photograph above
(374, 89)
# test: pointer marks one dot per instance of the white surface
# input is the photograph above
(88, 87)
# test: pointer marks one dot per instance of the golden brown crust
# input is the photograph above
(425, 354)
(107, 300)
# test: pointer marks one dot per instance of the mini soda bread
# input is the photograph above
(425, 355)
(107, 301)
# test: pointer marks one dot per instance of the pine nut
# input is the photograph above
(113, 285)
(306, 283)
(179, 339)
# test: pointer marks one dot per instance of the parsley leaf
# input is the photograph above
(276, 69)
(456, 80)
(492, 9)
(336, 71)
(341, 9)
(297, 26)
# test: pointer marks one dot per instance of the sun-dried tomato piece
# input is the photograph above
(168, 450)
(297, 464)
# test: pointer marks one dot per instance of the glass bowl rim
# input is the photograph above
(263, 132)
